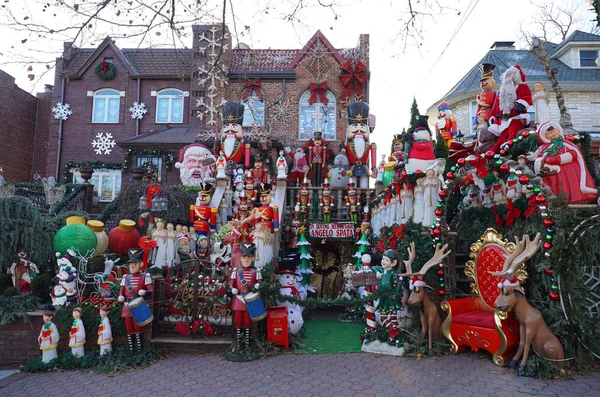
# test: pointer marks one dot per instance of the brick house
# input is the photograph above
(183, 91)
(576, 60)
(25, 123)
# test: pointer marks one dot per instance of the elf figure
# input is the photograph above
(77, 334)
(388, 306)
(352, 202)
(326, 201)
(304, 200)
(134, 285)
(104, 332)
(241, 283)
(48, 339)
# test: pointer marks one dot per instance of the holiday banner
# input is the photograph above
(363, 278)
(332, 230)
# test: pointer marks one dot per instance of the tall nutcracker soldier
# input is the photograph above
(232, 137)
(241, 283)
(134, 285)
(352, 202)
(204, 216)
(265, 213)
(357, 142)
(304, 200)
(487, 96)
(326, 201)
(260, 173)
(249, 190)
(317, 151)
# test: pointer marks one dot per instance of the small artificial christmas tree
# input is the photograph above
(414, 115)
(305, 258)
(363, 244)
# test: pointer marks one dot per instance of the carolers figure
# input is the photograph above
(48, 339)
(104, 332)
(77, 334)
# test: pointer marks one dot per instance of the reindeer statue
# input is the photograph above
(533, 329)
(431, 320)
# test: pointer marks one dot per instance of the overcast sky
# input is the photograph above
(396, 75)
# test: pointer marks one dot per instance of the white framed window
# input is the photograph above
(156, 160)
(107, 183)
(254, 112)
(106, 106)
(587, 58)
(472, 116)
(169, 106)
(317, 117)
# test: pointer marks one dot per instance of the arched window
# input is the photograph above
(169, 106)
(317, 117)
(106, 106)
(254, 111)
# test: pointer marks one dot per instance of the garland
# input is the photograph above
(89, 164)
(167, 155)
(105, 70)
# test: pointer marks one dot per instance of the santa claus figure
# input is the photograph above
(232, 137)
(357, 141)
(299, 166)
(510, 107)
(195, 165)
(561, 165)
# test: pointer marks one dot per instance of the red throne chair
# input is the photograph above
(474, 322)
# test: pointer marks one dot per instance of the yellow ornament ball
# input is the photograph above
(348, 173)
(329, 175)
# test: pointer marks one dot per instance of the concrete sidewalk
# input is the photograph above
(358, 374)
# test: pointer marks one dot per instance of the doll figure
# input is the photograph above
(282, 166)
(48, 339)
(104, 331)
(264, 240)
(498, 187)
(540, 100)
(160, 251)
(513, 188)
(352, 202)
(77, 334)
(326, 202)
(486, 197)
(179, 230)
(407, 198)
(431, 186)
(419, 201)
(221, 166)
(171, 244)
(22, 272)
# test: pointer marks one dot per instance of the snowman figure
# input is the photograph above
(286, 273)
(340, 173)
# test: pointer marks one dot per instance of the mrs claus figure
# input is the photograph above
(48, 339)
(104, 332)
(77, 334)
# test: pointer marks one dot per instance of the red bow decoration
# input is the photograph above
(398, 231)
(252, 86)
(381, 245)
(393, 333)
(151, 191)
(183, 329)
(497, 217)
(146, 244)
(533, 205)
(318, 90)
(353, 80)
(104, 67)
(512, 213)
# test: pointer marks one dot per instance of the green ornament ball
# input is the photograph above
(75, 236)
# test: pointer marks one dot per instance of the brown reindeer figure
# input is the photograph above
(533, 329)
(431, 320)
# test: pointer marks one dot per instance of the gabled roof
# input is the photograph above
(172, 137)
(321, 37)
(92, 58)
(576, 37)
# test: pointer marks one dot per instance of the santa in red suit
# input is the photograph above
(134, 285)
(510, 107)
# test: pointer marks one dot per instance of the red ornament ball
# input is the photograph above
(438, 212)
(441, 292)
(547, 246)
(554, 296)
(540, 199)
(525, 134)
(524, 179)
(443, 194)
(489, 154)
(461, 162)
(504, 167)
(549, 272)
(502, 152)
(440, 272)
(450, 175)
(570, 138)
(548, 222)
(123, 237)
(437, 232)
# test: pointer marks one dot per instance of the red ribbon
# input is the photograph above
(150, 192)
(532, 206)
(252, 86)
(398, 231)
(512, 213)
(183, 329)
(353, 80)
(104, 67)
(318, 90)
(496, 216)
(146, 244)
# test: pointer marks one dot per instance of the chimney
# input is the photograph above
(48, 87)
(503, 45)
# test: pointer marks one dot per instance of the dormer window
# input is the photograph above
(587, 58)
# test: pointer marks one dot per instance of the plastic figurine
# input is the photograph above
(77, 334)
(232, 137)
(104, 331)
(48, 339)
(512, 190)
(388, 306)
(420, 148)
(265, 213)
(407, 199)
(304, 200)
(282, 166)
(242, 281)
(203, 247)
(357, 142)
(540, 100)
(264, 240)
(431, 184)
(205, 216)
(160, 252)
(497, 191)
(419, 203)
(299, 166)
(326, 202)
(171, 244)
(287, 276)
(446, 125)
(352, 202)
(486, 98)
(133, 286)
(22, 272)
(260, 173)
(221, 166)
(317, 154)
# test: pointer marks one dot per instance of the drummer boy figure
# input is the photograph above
(241, 283)
(134, 285)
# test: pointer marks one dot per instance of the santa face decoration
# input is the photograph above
(196, 166)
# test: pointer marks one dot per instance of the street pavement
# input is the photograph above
(357, 374)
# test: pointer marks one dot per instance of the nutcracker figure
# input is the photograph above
(250, 191)
(446, 125)
(304, 200)
(77, 334)
(260, 173)
(352, 202)
(104, 331)
(326, 201)
(265, 213)
(232, 137)
(241, 283)
(357, 141)
(487, 96)
(48, 339)
(205, 216)
(243, 212)
(134, 285)
(317, 155)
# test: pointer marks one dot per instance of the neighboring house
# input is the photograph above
(577, 61)
(183, 91)
(23, 129)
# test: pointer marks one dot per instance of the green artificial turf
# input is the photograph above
(330, 337)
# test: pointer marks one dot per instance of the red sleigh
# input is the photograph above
(474, 322)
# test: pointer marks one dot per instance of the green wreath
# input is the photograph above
(150, 171)
(106, 70)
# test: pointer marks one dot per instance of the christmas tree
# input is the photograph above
(363, 244)
(305, 258)
(414, 115)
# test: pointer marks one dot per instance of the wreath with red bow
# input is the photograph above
(106, 70)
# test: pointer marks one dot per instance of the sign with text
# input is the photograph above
(332, 230)
(364, 277)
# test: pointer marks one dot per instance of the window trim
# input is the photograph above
(594, 60)
(102, 173)
(106, 99)
(303, 101)
(170, 97)
(160, 159)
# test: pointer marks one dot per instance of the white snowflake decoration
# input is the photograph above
(213, 78)
(282, 112)
(62, 112)
(138, 110)
(104, 143)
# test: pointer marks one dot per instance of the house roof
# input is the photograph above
(172, 137)
(576, 37)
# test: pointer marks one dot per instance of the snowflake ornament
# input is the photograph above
(104, 143)
(62, 111)
(212, 78)
(138, 110)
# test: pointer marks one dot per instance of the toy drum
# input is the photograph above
(140, 311)
(256, 308)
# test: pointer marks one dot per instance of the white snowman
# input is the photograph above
(286, 274)
(340, 173)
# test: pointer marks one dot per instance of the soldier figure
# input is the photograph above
(352, 202)
(206, 217)
(232, 137)
(326, 201)
(304, 200)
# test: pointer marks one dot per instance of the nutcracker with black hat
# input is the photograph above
(357, 142)
(246, 305)
(266, 213)
(232, 137)
(134, 287)
(317, 156)
(304, 200)
(204, 216)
